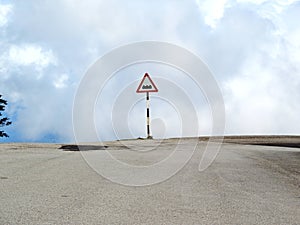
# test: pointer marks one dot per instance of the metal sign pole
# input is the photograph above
(148, 115)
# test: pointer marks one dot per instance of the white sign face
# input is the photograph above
(146, 85)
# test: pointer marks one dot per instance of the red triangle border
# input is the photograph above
(138, 90)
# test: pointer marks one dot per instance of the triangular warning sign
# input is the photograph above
(146, 85)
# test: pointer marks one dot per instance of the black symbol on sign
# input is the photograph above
(147, 86)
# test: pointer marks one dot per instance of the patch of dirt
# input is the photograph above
(82, 147)
(271, 140)
(87, 147)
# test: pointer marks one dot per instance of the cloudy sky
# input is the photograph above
(251, 46)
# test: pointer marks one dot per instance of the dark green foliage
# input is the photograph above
(4, 121)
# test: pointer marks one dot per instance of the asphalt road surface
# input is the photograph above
(246, 184)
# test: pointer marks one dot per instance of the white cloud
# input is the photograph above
(277, 2)
(5, 10)
(60, 82)
(270, 9)
(261, 98)
(29, 54)
(213, 10)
